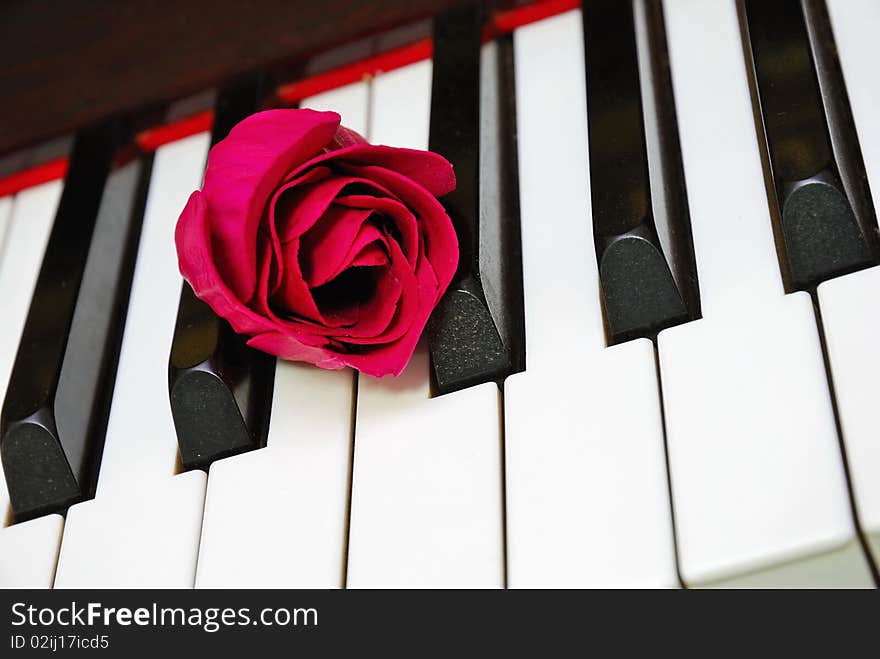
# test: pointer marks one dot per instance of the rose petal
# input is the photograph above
(399, 215)
(193, 239)
(294, 295)
(311, 176)
(440, 241)
(371, 255)
(288, 347)
(266, 275)
(376, 313)
(341, 233)
(242, 172)
(346, 137)
(295, 209)
(429, 170)
(392, 357)
(377, 323)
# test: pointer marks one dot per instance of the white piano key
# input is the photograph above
(856, 24)
(757, 478)
(587, 496)
(350, 102)
(278, 517)
(5, 218)
(401, 107)
(30, 222)
(143, 526)
(29, 552)
(141, 442)
(729, 215)
(851, 316)
(142, 538)
(426, 507)
(5, 215)
(756, 472)
(849, 304)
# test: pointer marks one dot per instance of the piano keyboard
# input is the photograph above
(669, 380)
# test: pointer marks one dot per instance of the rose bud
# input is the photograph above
(319, 246)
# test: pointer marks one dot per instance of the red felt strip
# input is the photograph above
(345, 75)
(507, 21)
(27, 178)
(152, 138)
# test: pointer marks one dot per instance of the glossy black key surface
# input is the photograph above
(820, 197)
(220, 389)
(476, 334)
(58, 400)
(641, 224)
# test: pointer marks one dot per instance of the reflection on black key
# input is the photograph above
(58, 400)
(641, 225)
(476, 334)
(220, 389)
(820, 192)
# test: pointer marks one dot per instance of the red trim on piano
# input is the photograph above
(502, 22)
(507, 21)
(388, 61)
(152, 138)
(28, 178)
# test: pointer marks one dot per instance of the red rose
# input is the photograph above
(319, 246)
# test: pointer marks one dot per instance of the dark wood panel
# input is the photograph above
(64, 64)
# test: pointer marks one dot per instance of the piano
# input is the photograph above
(657, 365)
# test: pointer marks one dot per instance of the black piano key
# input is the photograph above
(476, 334)
(641, 223)
(842, 128)
(820, 198)
(220, 389)
(58, 400)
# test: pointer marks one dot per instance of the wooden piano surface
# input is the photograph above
(65, 64)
